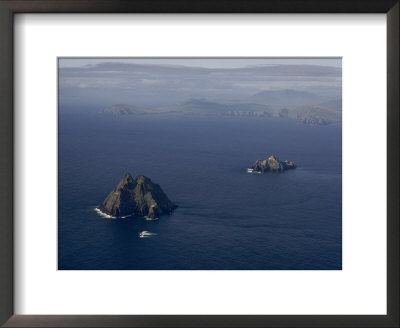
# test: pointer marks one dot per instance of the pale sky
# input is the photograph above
(204, 62)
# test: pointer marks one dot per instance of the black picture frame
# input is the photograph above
(10, 7)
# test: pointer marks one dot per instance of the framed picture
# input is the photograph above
(199, 170)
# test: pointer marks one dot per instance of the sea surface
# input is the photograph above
(227, 219)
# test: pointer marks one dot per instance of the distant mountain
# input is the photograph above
(316, 115)
(202, 105)
(305, 107)
(123, 109)
(333, 104)
(287, 98)
(205, 106)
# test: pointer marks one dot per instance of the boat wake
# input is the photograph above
(146, 234)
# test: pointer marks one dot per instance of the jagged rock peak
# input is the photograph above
(127, 176)
(126, 181)
(140, 178)
(138, 197)
(271, 164)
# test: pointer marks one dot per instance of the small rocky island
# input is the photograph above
(272, 164)
(137, 196)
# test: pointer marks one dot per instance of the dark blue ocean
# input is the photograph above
(227, 219)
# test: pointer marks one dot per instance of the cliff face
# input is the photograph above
(272, 164)
(137, 196)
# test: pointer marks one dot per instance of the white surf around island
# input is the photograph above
(146, 234)
(150, 219)
(253, 171)
(104, 215)
(107, 216)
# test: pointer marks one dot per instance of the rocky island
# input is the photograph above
(137, 196)
(271, 164)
